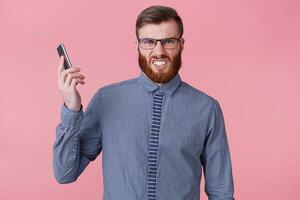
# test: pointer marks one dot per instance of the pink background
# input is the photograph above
(243, 53)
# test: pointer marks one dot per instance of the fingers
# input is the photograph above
(72, 76)
(61, 64)
(63, 74)
(60, 68)
(68, 77)
(75, 81)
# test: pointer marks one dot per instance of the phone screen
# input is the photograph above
(63, 52)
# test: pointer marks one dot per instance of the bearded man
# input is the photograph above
(155, 131)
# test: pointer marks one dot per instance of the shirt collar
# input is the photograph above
(167, 88)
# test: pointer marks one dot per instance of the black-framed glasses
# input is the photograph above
(166, 43)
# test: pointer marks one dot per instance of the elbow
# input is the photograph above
(64, 176)
(63, 179)
(216, 195)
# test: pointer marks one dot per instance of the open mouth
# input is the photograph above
(159, 63)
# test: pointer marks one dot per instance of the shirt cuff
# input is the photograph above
(70, 118)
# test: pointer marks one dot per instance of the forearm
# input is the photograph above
(67, 162)
(218, 176)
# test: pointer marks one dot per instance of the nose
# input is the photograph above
(159, 49)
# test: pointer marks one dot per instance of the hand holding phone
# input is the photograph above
(68, 77)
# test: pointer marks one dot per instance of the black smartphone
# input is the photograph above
(61, 49)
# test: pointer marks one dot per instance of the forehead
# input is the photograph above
(165, 29)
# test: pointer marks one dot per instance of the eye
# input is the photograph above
(148, 41)
(169, 41)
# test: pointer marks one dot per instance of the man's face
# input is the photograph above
(159, 64)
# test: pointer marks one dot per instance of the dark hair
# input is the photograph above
(156, 15)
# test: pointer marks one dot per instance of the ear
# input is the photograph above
(182, 44)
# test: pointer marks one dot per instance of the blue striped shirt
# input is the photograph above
(155, 141)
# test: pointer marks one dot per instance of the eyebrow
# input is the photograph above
(158, 39)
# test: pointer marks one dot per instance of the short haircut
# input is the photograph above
(156, 15)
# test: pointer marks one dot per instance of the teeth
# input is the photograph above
(159, 62)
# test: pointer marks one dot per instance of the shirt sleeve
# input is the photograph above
(215, 158)
(78, 141)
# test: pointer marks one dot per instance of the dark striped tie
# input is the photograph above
(153, 145)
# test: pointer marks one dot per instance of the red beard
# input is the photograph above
(162, 77)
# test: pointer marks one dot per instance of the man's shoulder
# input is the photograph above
(117, 86)
(194, 92)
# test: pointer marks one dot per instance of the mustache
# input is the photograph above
(160, 57)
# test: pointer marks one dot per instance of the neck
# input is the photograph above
(159, 84)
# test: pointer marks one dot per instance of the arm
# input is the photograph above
(78, 141)
(215, 158)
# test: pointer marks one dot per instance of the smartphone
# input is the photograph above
(61, 49)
